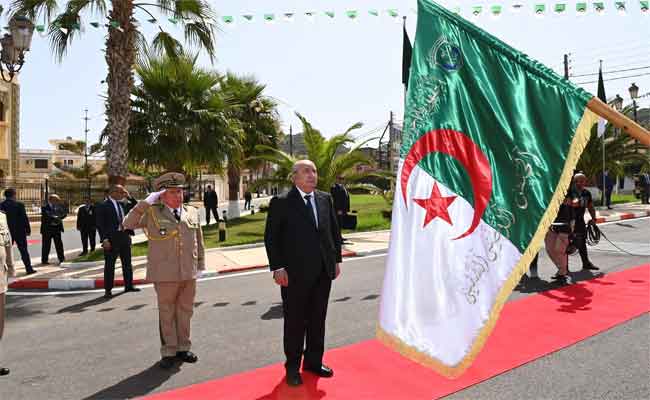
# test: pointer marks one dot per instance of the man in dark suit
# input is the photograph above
(210, 201)
(341, 199)
(303, 244)
(116, 241)
(87, 226)
(18, 226)
(52, 216)
(609, 186)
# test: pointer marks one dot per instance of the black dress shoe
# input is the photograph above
(4, 371)
(83, 253)
(132, 289)
(167, 362)
(108, 295)
(187, 356)
(293, 378)
(323, 371)
(591, 267)
(31, 271)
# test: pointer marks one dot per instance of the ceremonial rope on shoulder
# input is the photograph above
(165, 235)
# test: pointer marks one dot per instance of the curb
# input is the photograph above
(85, 284)
(621, 217)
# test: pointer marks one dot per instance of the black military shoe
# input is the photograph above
(293, 378)
(591, 267)
(167, 362)
(323, 371)
(187, 356)
(4, 371)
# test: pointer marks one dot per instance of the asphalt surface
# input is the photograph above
(78, 346)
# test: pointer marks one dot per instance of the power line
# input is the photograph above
(611, 72)
(604, 56)
(613, 79)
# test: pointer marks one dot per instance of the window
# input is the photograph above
(40, 164)
(68, 163)
(2, 111)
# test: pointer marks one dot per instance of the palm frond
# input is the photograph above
(164, 44)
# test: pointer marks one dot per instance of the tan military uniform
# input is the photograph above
(6, 266)
(175, 257)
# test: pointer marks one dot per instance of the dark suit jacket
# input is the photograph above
(86, 218)
(293, 242)
(16, 218)
(341, 198)
(210, 199)
(52, 219)
(107, 219)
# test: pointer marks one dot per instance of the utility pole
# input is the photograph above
(566, 66)
(85, 118)
(291, 140)
(390, 138)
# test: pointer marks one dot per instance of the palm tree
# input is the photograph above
(325, 154)
(123, 42)
(179, 120)
(259, 122)
(622, 152)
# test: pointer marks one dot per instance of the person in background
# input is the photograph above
(248, 197)
(582, 202)
(52, 215)
(557, 239)
(645, 187)
(211, 204)
(609, 186)
(115, 238)
(6, 271)
(87, 226)
(18, 226)
(341, 199)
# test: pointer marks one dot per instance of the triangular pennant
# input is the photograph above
(173, 20)
(644, 6)
(330, 14)
(352, 14)
(496, 10)
(95, 24)
(40, 28)
(599, 7)
(581, 8)
(114, 24)
(620, 7)
(517, 7)
(228, 19)
(373, 12)
(248, 17)
(560, 8)
(476, 10)
(288, 16)
(152, 20)
(540, 9)
(393, 12)
(269, 17)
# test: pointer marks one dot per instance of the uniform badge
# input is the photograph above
(163, 232)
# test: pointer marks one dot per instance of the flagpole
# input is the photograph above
(619, 120)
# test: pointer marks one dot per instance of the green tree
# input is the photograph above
(124, 40)
(257, 117)
(324, 153)
(179, 119)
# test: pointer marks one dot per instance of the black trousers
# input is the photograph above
(120, 247)
(214, 211)
(645, 195)
(304, 306)
(88, 235)
(580, 232)
(21, 243)
(247, 204)
(47, 244)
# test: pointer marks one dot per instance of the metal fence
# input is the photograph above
(72, 192)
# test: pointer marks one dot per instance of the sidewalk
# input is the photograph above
(70, 276)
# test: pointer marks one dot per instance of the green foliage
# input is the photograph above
(329, 162)
(179, 118)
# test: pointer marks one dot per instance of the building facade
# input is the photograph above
(38, 164)
(9, 128)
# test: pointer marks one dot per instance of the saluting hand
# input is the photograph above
(153, 197)
(281, 277)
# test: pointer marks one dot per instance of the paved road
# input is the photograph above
(77, 346)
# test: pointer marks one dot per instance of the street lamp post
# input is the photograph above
(634, 93)
(14, 45)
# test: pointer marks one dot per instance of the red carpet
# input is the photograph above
(367, 370)
(31, 242)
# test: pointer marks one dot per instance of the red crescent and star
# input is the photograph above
(471, 157)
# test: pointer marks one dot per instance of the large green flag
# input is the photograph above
(491, 138)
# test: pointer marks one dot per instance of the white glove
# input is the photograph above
(153, 197)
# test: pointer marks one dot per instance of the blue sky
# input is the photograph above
(334, 71)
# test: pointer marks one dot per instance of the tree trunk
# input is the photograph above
(120, 58)
(234, 176)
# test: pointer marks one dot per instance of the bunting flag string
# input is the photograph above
(495, 11)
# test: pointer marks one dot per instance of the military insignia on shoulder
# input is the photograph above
(163, 232)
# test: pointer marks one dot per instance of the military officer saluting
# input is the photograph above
(175, 257)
